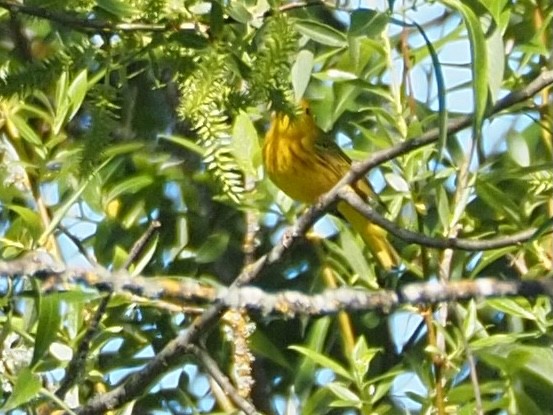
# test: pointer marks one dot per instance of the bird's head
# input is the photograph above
(301, 122)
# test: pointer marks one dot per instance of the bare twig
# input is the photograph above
(76, 365)
(440, 243)
(224, 382)
(140, 244)
(78, 243)
(471, 361)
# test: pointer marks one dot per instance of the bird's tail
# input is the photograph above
(375, 237)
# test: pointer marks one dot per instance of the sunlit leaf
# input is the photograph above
(518, 149)
(76, 92)
(118, 8)
(25, 389)
(323, 361)
(479, 59)
(245, 145)
(513, 307)
(301, 72)
(321, 33)
(129, 186)
(238, 12)
(49, 318)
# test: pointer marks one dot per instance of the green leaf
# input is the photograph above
(189, 39)
(117, 8)
(123, 148)
(493, 341)
(30, 218)
(316, 339)
(77, 92)
(367, 23)
(25, 130)
(262, 345)
(301, 72)
(499, 10)
(442, 203)
(513, 307)
(61, 103)
(323, 361)
(214, 246)
(397, 182)
(187, 143)
(129, 186)
(344, 95)
(25, 389)
(245, 145)
(146, 256)
(62, 211)
(321, 33)
(78, 297)
(361, 358)
(353, 253)
(498, 200)
(489, 257)
(318, 402)
(335, 75)
(470, 321)
(536, 361)
(238, 12)
(49, 319)
(346, 396)
(479, 60)
(496, 59)
(518, 149)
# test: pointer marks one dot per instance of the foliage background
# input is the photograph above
(115, 114)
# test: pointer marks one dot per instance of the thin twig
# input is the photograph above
(141, 243)
(224, 382)
(78, 243)
(478, 410)
(440, 243)
(75, 367)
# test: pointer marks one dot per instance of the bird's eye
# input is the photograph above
(307, 111)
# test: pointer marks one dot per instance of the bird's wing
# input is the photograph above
(335, 158)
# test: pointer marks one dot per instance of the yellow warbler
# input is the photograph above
(305, 163)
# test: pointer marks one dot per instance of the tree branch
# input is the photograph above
(358, 169)
(294, 303)
(95, 25)
(352, 198)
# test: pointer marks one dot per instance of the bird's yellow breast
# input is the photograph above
(292, 160)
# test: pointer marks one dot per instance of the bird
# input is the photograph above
(304, 162)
